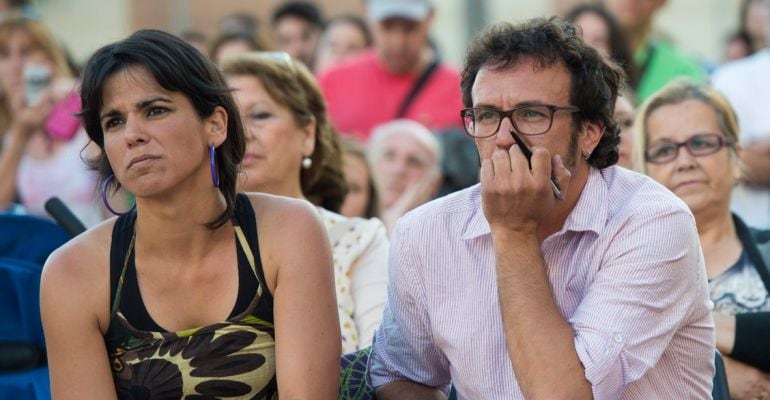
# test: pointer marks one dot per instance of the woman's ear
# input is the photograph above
(216, 126)
(309, 139)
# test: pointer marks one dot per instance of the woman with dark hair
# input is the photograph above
(362, 199)
(344, 37)
(180, 296)
(602, 32)
(292, 150)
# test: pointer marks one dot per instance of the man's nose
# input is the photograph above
(503, 138)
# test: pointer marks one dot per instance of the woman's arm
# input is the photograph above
(27, 120)
(307, 333)
(743, 338)
(72, 295)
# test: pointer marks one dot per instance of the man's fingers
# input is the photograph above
(560, 172)
(541, 164)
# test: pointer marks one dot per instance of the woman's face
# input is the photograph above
(154, 138)
(357, 178)
(275, 144)
(340, 42)
(16, 53)
(595, 32)
(624, 116)
(703, 182)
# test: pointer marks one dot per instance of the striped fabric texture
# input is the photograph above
(626, 272)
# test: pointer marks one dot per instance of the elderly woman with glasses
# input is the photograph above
(686, 139)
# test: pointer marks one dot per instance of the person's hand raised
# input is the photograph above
(516, 198)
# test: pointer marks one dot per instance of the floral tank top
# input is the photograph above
(234, 359)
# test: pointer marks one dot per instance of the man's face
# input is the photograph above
(633, 14)
(402, 162)
(297, 37)
(399, 42)
(525, 84)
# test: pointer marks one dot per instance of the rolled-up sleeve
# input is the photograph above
(648, 288)
(403, 346)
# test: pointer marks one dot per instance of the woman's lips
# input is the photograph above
(250, 158)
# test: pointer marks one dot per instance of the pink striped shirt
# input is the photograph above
(626, 271)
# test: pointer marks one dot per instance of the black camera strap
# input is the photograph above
(416, 88)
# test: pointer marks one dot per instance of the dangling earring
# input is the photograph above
(107, 203)
(307, 162)
(213, 165)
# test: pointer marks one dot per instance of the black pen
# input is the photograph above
(528, 153)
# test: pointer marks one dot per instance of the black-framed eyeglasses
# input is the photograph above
(698, 145)
(481, 122)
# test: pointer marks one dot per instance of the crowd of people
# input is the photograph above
(258, 206)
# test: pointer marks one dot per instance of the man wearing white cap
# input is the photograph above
(400, 78)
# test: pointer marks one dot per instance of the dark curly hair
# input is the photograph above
(177, 67)
(290, 84)
(595, 80)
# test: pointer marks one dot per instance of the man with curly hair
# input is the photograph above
(558, 277)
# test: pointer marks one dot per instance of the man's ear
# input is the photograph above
(216, 126)
(590, 135)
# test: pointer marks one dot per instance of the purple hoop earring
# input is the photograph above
(213, 164)
(107, 203)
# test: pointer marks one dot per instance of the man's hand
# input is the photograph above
(418, 193)
(513, 196)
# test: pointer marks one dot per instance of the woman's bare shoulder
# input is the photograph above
(81, 260)
(272, 209)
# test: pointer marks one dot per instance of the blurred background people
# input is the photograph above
(344, 37)
(737, 46)
(754, 15)
(401, 77)
(687, 139)
(297, 27)
(406, 163)
(746, 83)
(196, 39)
(362, 199)
(624, 116)
(236, 22)
(656, 58)
(230, 44)
(42, 140)
(290, 145)
(602, 32)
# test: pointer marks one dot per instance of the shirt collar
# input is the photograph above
(589, 214)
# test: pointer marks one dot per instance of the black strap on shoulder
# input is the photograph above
(122, 232)
(416, 88)
(757, 247)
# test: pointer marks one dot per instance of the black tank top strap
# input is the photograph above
(247, 221)
(122, 237)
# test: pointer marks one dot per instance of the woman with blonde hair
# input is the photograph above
(292, 150)
(41, 138)
(686, 139)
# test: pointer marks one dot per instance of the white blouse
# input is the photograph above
(360, 251)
